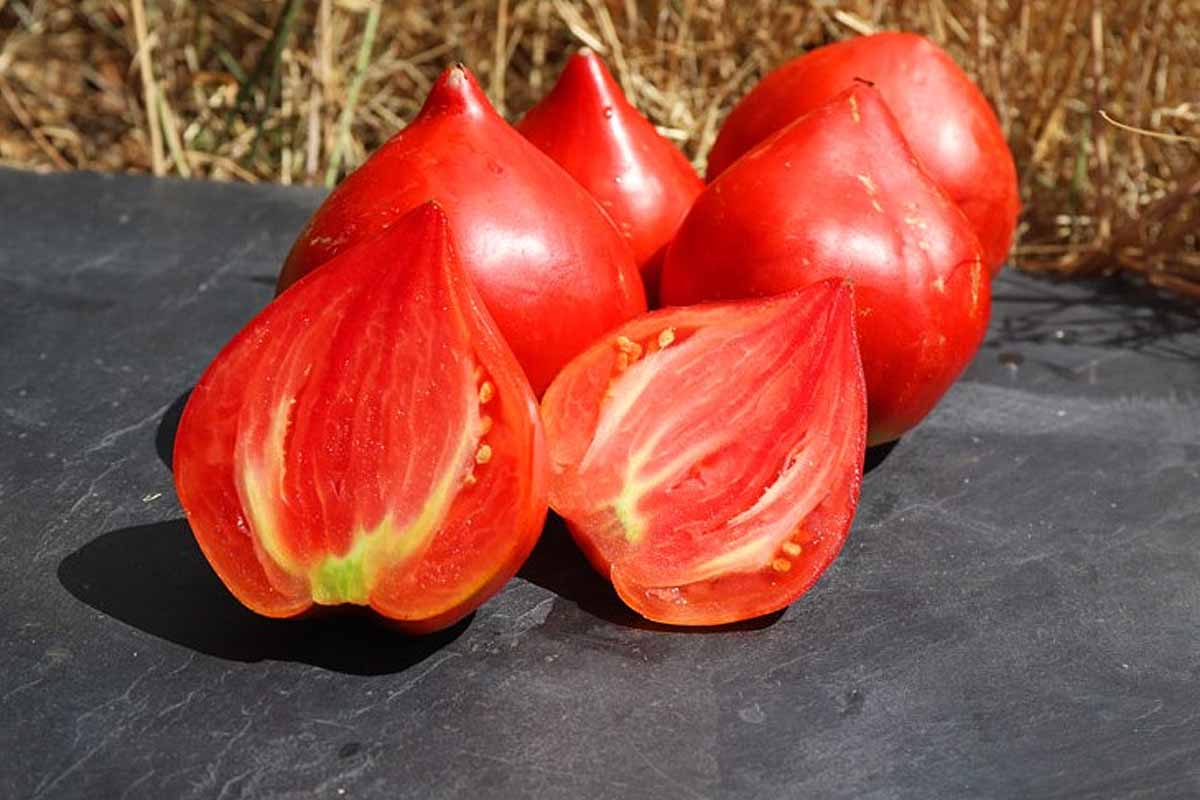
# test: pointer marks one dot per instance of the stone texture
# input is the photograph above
(1015, 614)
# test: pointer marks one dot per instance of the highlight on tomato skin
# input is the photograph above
(708, 459)
(367, 439)
(590, 129)
(839, 194)
(548, 263)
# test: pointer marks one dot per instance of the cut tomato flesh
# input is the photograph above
(708, 458)
(367, 439)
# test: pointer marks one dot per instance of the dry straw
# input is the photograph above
(1100, 99)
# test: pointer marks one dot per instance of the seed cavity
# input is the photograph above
(484, 454)
(629, 347)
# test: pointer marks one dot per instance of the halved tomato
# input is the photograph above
(369, 439)
(708, 459)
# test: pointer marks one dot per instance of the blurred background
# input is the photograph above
(1100, 99)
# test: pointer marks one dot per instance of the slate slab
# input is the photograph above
(1016, 613)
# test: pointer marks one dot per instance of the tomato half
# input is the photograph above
(946, 119)
(838, 193)
(640, 179)
(369, 439)
(708, 459)
(549, 264)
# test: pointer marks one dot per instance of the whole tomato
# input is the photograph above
(552, 269)
(367, 439)
(946, 119)
(593, 132)
(839, 194)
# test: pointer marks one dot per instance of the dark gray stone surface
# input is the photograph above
(1017, 612)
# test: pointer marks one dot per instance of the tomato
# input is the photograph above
(367, 439)
(550, 266)
(708, 459)
(838, 193)
(946, 119)
(644, 183)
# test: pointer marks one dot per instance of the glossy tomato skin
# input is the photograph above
(946, 119)
(839, 194)
(708, 459)
(367, 439)
(594, 133)
(550, 266)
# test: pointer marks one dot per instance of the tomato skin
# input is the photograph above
(334, 450)
(550, 266)
(839, 194)
(946, 119)
(592, 131)
(708, 459)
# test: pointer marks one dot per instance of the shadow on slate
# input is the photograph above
(164, 437)
(876, 455)
(557, 565)
(1106, 312)
(155, 578)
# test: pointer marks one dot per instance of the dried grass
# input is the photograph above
(1100, 98)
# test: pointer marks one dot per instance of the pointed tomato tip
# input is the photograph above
(430, 212)
(457, 90)
(862, 89)
(431, 220)
(837, 292)
(586, 70)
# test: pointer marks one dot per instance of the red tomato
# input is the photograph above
(946, 119)
(839, 194)
(708, 459)
(551, 268)
(644, 183)
(368, 438)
